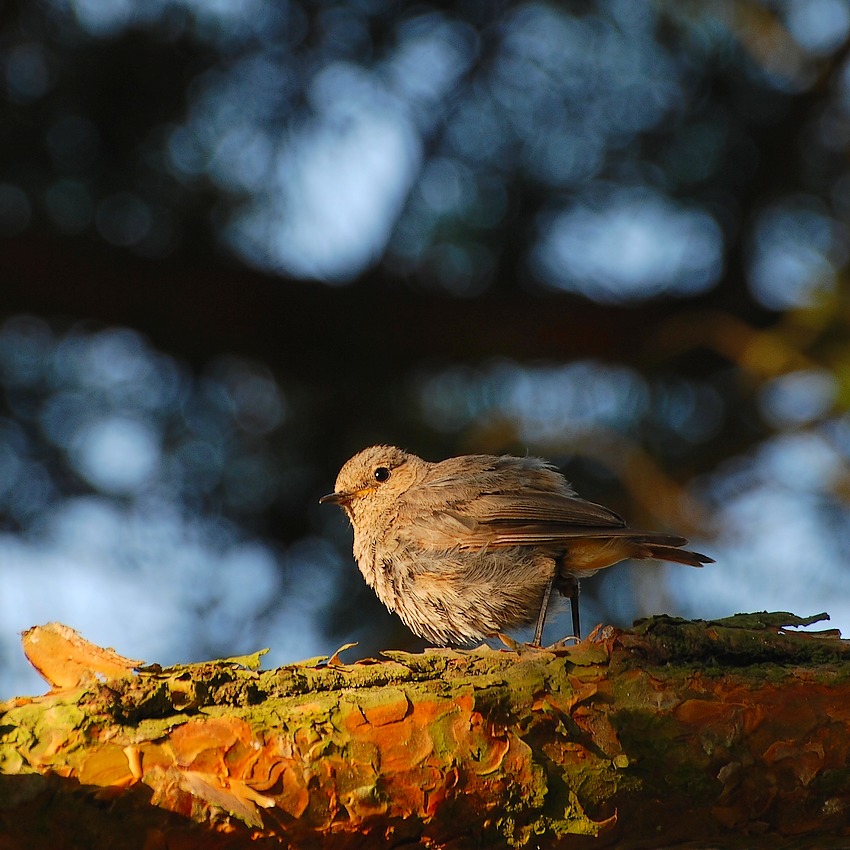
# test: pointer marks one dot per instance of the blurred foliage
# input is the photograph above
(242, 240)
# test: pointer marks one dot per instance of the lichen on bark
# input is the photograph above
(726, 731)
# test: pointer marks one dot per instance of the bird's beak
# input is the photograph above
(335, 499)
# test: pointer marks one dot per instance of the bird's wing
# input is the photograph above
(518, 519)
(483, 501)
(553, 534)
(532, 518)
(529, 507)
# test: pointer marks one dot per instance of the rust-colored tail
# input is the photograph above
(667, 552)
(588, 554)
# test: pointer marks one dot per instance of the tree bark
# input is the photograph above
(732, 733)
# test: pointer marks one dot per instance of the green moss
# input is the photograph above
(657, 758)
(828, 783)
(740, 641)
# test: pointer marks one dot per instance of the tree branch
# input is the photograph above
(726, 732)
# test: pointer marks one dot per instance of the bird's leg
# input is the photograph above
(569, 587)
(541, 617)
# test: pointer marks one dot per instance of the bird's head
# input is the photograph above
(371, 481)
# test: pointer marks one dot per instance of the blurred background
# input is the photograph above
(241, 240)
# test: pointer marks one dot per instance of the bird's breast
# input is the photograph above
(375, 554)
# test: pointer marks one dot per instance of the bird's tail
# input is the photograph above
(668, 549)
(588, 554)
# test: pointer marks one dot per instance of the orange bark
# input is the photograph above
(633, 738)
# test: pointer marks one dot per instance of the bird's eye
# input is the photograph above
(382, 474)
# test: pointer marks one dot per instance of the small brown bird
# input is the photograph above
(468, 547)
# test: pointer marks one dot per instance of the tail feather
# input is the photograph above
(667, 552)
(586, 555)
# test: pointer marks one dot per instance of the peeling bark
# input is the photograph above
(732, 733)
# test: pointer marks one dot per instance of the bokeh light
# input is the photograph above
(128, 489)
(610, 250)
(797, 250)
(244, 238)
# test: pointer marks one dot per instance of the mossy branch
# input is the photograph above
(733, 733)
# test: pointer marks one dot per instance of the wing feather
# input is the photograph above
(543, 535)
(507, 501)
(557, 508)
